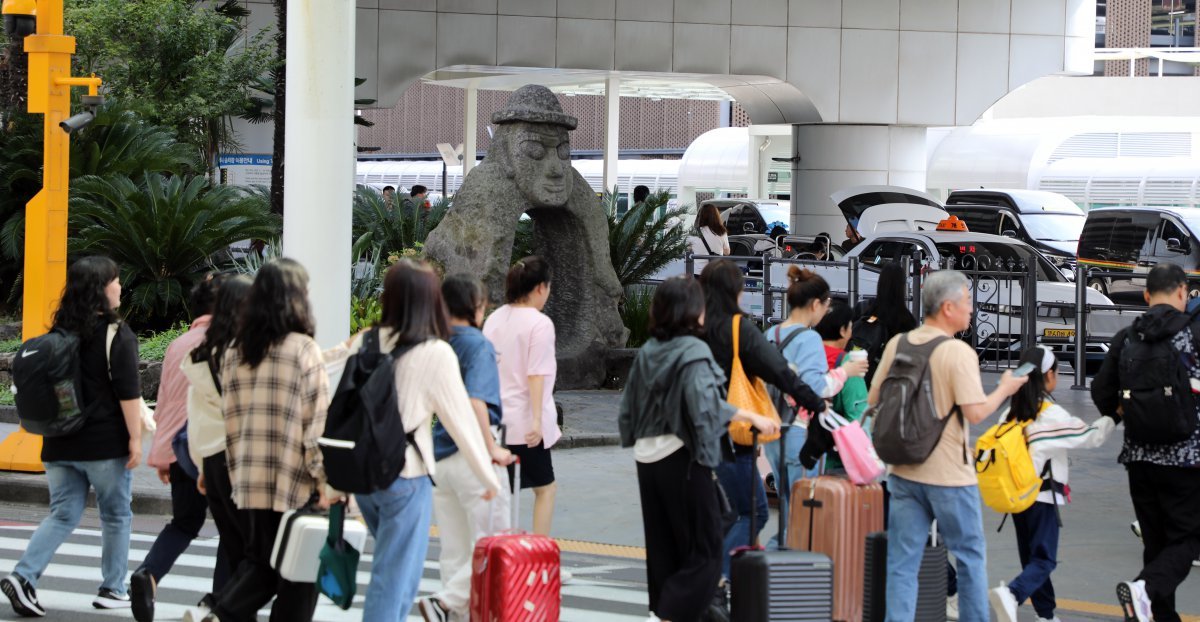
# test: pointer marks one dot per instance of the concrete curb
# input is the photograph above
(30, 488)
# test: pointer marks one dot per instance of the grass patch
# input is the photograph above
(6, 396)
(635, 313)
(154, 347)
(10, 345)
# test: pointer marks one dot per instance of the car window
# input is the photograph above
(1118, 238)
(1167, 232)
(881, 251)
(994, 257)
(979, 221)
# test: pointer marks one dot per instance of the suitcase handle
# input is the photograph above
(784, 481)
(753, 477)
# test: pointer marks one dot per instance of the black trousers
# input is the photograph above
(1166, 501)
(188, 512)
(219, 498)
(682, 519)
(254, 583)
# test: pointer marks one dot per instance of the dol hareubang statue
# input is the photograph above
(528, 170)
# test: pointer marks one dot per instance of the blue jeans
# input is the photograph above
(69, 482)
(398, 517)
(1037, 545)
(957, 510)
(735, 478)
(796, 436)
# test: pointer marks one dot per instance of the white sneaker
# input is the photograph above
(108, 599)
(1003, 603)
(1136, 528)
(199, 614)
(1196, 563)
(952, 608)
(1054, 619)
(565, 576)
(1135, 604)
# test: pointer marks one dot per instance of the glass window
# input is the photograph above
(1172, 240)
(881, 251)
(979, 221)
(1054, 227)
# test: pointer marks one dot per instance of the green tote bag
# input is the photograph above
(339, 562)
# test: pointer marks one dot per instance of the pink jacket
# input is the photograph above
(171, 412)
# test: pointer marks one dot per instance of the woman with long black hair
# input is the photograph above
(884, 317)
(101, 454)
(723, 282)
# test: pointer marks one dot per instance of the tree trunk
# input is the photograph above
(280, 96)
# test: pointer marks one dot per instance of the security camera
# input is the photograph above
(91, 103)
(19, 18)
(77, 122)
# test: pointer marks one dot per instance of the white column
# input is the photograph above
(470, 129)
(612, 132)
(318, 183)
(754, 163)
(838, 156)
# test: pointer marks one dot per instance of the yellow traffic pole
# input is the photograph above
(49, 52)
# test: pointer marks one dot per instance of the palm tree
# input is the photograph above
(646, 238)
(391, 230)
(164, 232)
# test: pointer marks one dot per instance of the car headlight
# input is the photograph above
(1055, 312)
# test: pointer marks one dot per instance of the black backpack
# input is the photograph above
(365, 441)
(787, 412)
(907, 423)
(46, 373)
(869, 334)
(1157, 403)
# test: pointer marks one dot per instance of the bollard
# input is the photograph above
(1030, 315)
(768, 295)
(852, 283)
(1080, 338)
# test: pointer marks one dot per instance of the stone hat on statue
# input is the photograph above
(534, 103)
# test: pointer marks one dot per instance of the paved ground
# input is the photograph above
(598, 503)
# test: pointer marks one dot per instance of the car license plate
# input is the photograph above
(1059, 332)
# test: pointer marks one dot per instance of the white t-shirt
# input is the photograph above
(718, 243)
(656, 448)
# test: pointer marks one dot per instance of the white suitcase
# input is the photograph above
(301, 537)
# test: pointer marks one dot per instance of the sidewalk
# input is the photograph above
(589, 420)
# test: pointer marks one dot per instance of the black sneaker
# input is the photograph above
(22, 596)
(108, 599)
(141, 595)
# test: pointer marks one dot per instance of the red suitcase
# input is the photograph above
(515, 576)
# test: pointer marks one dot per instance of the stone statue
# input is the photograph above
(528, 171)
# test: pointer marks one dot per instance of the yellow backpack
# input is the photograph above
(1008, 481)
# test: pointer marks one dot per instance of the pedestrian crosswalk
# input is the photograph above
(601, 590)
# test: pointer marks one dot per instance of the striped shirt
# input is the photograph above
(274, 414)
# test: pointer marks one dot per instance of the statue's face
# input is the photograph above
(541, 160)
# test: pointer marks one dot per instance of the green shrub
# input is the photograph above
(635, 313)
(10, 345)
(364, 312)
(6, 396)
(643, 240)
(154, 347)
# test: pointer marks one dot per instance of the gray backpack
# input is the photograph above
(907, 425)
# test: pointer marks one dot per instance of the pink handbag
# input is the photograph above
(856, 451)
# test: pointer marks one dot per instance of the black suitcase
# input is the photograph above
(931, 581)
(779, 585)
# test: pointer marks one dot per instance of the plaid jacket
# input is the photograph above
(274, 414)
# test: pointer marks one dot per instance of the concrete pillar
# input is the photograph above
(754, 164)
(470, 129)
(319, 184)
(837, 156)
(612, 132)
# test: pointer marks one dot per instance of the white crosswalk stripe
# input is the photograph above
(70, 582)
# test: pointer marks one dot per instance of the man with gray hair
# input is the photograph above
(943, 487)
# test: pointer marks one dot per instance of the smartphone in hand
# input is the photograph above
(1023, 370)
